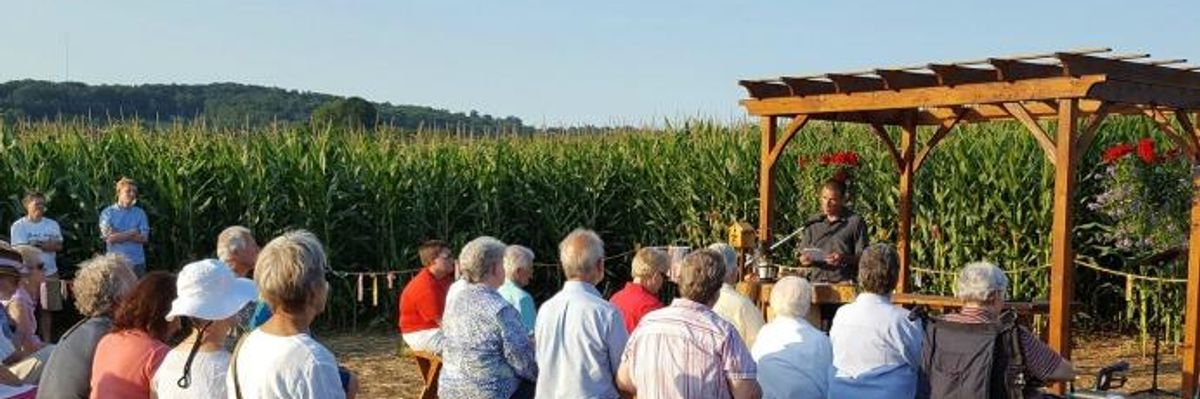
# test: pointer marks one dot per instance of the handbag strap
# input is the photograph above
(237, 386)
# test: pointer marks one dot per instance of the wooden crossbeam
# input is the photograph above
(1079, 65)
(1189, 130)
(898, 79)
(763, 89)
(953, 75)
(807, 87)
(1019, 112)
(1015, 70)
(944, 129)
(854, 83)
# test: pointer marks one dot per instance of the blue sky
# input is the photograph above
(554, 63)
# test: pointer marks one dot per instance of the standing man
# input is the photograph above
(518, 269)
(125, 227)
(424, 298)
(37, 230)
(838, 232)
(580, 336)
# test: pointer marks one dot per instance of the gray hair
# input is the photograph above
(232, 239)
(978, 280)
(517, 257)
(579, 253)
(101, 282)
(791, 296)
(291, 270)
(479, 256)
(728, 255)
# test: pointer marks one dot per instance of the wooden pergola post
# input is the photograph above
(1062, 255)
(908, 142)
(1191, 360)
(766, 181)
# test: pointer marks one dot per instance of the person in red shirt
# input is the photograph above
(640, 296)
(424, 297)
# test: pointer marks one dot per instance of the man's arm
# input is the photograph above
(624, 382)
(745, 389)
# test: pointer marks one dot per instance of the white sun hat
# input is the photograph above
(209, 290)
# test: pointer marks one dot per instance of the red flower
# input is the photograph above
(1145, 150)
(846, 158)
(1116, 152)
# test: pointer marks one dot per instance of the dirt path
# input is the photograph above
(387, 373)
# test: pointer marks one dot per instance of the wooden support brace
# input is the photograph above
(1088, 135)
(891, 145)
(1164, 125)
(1190, 132)
(789, 132)
(943, 130)
(1018, 111)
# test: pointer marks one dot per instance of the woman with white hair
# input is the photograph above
(983, 287)
(734, 307)
(486, 351)
(280, 359)
(209, 295)
(793, 356)
(100, 284)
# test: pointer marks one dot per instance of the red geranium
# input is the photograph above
(1116, 152)
(845, 158)
(1145, 150)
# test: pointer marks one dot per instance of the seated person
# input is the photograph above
(15, 293)
(486, 351)
(838, 232)
(793, 356)
(876, 348)
(686, 350)
(640, 296)
(424, 297)
(734, 307)
(983, 286)
(518, 269)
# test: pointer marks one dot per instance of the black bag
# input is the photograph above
(972, 361)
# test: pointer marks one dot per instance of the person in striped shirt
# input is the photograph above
(983, 287)
(686, 350)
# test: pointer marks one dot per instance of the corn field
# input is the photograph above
(985, 193)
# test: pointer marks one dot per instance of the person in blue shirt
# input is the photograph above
(124, 226)
(518, 269)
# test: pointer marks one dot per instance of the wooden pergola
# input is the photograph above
(1078, 89)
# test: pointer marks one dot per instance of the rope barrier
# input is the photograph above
(1090, 265)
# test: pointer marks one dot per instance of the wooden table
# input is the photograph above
(824, 294)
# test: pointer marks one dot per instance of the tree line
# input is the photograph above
(229, 105)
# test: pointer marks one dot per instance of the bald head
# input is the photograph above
(582, 256)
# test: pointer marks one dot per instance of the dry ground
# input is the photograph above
(387, 372)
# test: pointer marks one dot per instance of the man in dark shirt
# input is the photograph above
(836, 231)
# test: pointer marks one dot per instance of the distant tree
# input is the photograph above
(350, 112)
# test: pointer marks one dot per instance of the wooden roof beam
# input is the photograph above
(854, 83)
(1079, 65)
(807, 87)
(953, 75)
(1011, 70)
(765, 89)
(895, 79)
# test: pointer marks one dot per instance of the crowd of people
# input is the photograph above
(235, 326)
(238, 326)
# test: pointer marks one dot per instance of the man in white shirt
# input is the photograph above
(37, 230)
(580, 336)
(734, 307)
(793, 356)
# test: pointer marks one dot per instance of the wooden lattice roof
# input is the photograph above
(979, 90)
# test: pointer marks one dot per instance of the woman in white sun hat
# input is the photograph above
(209, 297)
